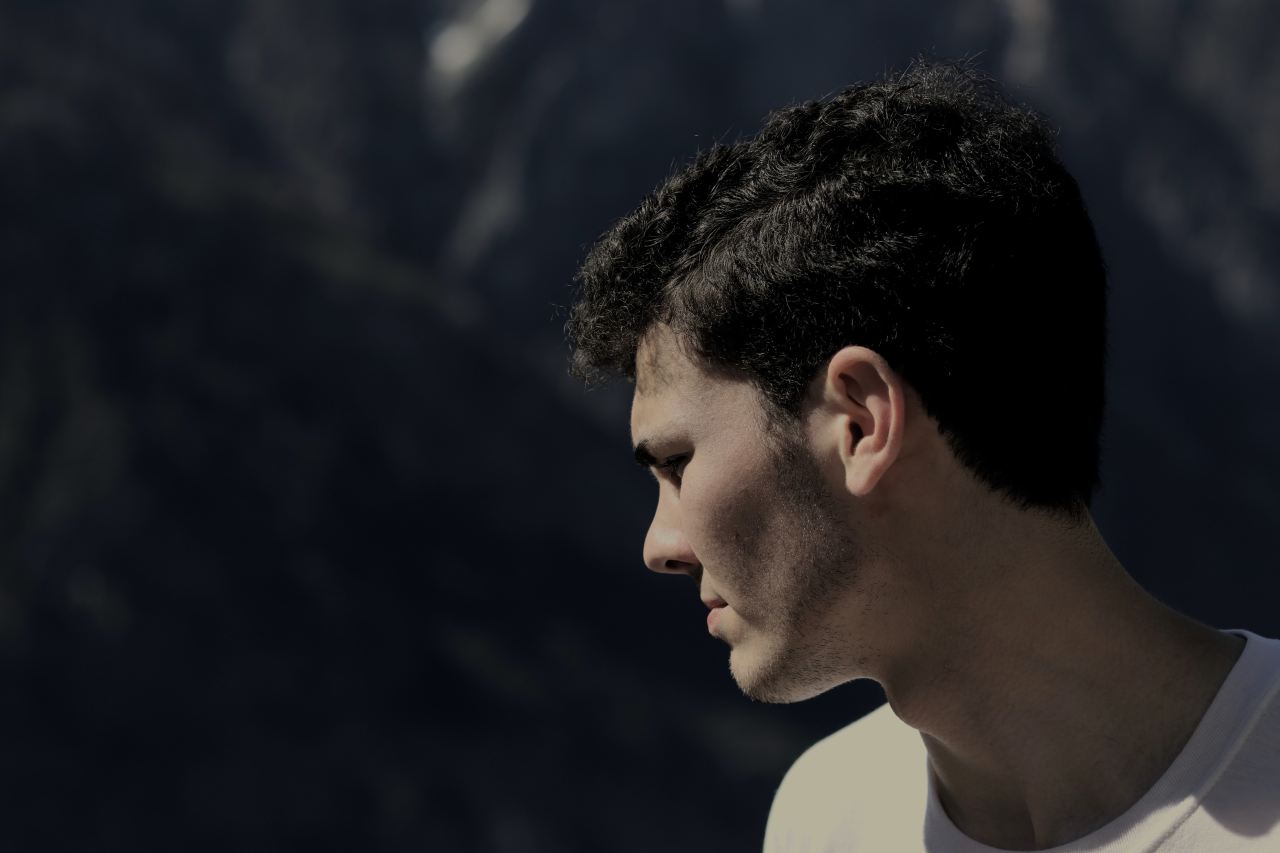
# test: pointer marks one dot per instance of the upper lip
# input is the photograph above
(713, 603)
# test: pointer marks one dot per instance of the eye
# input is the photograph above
(674, 467)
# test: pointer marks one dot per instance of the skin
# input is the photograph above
(1050, 690)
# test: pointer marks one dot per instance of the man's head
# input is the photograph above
(881, 309)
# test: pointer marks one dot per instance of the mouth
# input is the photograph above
(716, 609)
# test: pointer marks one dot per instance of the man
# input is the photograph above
(868, 347)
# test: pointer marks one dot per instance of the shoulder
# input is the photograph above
(1254, 765)
(866, 781)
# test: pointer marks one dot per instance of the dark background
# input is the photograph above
(307, 540)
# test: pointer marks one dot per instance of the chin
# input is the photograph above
(776, 678)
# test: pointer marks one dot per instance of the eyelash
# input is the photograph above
(670, 465)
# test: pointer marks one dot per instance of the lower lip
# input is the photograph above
(711, 617)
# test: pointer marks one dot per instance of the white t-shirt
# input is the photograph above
(868, 787)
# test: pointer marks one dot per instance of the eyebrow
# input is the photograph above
(644, 451)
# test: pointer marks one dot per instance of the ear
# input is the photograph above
(867, 400)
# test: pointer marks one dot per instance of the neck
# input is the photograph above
(1051, 691)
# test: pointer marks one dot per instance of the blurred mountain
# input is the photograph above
(307, 539)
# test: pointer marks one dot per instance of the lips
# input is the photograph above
(713, 614)
(713, 603)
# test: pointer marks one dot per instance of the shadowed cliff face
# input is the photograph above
(307, 539)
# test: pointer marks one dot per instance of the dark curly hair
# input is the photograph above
(925, 216)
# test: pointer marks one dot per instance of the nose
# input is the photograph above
(666, 549)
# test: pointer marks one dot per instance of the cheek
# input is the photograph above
(728, 527)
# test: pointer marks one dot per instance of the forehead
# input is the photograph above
(660, 361)
(675, 393)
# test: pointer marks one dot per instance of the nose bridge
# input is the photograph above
(665, 547)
